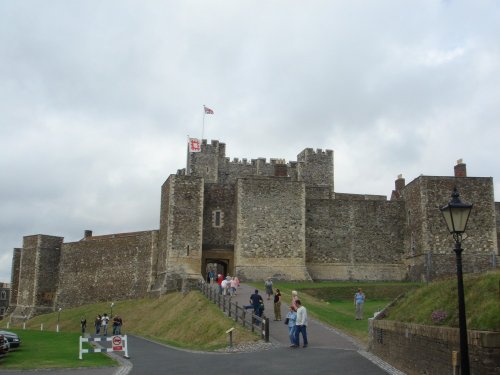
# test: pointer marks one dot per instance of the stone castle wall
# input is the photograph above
(410, 346)
(181, 230)
(14, 284)
(270, 235)
(316, 167)
(497, 216)
(219, 199)
(106, 268)
(426, 194)
(355, 239)
(38, 275)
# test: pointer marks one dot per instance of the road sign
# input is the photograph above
(117, 343)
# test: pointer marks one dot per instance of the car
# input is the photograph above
(4, 345)
(13, 338)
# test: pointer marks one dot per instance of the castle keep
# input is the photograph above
(257, 219)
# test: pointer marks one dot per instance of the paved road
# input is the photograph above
(329, 352)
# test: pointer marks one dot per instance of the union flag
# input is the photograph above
(208, 111)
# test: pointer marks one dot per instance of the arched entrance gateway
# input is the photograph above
(221, 261)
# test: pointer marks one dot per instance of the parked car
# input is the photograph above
(4, 345)
(13, 338)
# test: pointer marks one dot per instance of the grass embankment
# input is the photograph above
(186, 321)
(482, 303)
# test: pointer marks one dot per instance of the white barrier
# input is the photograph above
(118, 344)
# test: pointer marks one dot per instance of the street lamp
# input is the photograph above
(58, 316)
(456, 214)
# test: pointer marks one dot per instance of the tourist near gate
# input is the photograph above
(118, 344)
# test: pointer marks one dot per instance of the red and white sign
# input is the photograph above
(117, 343)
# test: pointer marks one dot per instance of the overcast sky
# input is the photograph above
(97, 98)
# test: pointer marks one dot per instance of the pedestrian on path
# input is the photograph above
(290, 320)
(277, 305)
(257, 303)
(269, 288)
(359, 301)
(295, 297)
(301, 324)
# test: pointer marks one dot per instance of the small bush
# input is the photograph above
(439, 316)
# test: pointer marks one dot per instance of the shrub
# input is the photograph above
(439, 316)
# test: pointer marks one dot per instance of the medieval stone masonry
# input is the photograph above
(257, 219)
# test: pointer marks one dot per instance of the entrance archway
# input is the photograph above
(217, 266)
(219, 261)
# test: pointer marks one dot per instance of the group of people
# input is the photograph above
(227, 285)
(101, 324)
(296, 319)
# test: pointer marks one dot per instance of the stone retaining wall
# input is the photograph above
(418, 349)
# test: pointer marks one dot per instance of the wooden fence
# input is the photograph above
(241, 314)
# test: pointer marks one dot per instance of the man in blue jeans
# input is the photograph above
(301, 324)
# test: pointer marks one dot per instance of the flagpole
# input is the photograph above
(203, 127)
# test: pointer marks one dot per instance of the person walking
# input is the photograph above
(233, 286)
(290, 320)
(301, 325)
(269, 288)
(359, 301)
(257, 303)
(295, 297)
(277, 305)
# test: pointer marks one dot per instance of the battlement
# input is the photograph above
(314, 167)
(254, 162)
(310, 153)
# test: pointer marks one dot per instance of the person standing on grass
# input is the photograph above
(277, 305)
(301, 324)
(83, 323)
(104, 324)
(97, 324)
(359, 301)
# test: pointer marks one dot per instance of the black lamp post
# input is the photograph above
(456, 214)
(58, 317)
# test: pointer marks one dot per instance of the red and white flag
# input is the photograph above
(194, 145)
(208, 111)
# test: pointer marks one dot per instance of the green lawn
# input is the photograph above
(42, 350)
